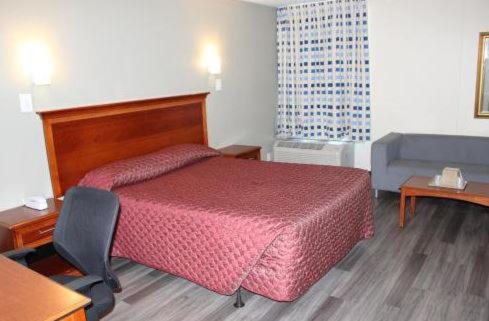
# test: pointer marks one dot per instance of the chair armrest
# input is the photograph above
(111, 279)
(83, 283)
(113, 283)
(19, 255)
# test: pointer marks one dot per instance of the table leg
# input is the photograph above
(412, 205)
(402, 210)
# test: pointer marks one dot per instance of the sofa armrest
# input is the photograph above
(387, 148)
(384, 151)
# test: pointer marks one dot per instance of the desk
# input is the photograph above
(27, 295)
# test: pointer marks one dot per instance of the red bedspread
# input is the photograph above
(273, 228)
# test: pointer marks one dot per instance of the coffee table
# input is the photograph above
(418, 186)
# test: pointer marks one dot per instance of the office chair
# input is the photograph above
(83, 236)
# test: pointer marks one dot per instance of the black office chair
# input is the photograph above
(83, 236)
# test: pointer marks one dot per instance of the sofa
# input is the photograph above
(396, 157)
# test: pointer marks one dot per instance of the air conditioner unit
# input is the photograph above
(318, 153)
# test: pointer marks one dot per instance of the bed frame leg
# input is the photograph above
(239, 301)
(376, 193)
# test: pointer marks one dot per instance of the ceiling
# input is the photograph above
(279, 3)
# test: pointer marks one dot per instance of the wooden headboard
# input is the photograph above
(81, 139)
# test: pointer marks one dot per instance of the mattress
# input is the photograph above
(272, 228)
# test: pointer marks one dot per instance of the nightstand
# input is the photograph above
(241, 151)
(24, 227)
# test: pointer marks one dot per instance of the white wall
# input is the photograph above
(423, 57)
(424, 62)
(117, 50)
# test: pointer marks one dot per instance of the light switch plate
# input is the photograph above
(218, 84)
(26, 105)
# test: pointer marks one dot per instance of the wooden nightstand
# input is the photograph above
(241, 151)
(25, 227)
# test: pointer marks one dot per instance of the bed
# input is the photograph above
(223, 223)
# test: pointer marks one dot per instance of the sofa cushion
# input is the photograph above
(439, 148)
(406, 168)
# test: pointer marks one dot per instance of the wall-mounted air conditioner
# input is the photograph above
(310, 152)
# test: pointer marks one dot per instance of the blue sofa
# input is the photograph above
(396, 157)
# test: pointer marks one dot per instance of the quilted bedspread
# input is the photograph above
(273, 228)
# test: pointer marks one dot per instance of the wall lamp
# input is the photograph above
(213, 65)
(37, 62)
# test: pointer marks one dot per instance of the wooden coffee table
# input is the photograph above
(418, 186)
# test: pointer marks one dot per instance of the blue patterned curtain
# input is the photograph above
(323, 67)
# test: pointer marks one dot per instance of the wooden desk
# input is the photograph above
(27, 295)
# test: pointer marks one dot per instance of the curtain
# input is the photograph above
(323, 67)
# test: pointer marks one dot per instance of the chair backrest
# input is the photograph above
(84, 231)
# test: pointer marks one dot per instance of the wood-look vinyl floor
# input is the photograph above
(437, 268)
